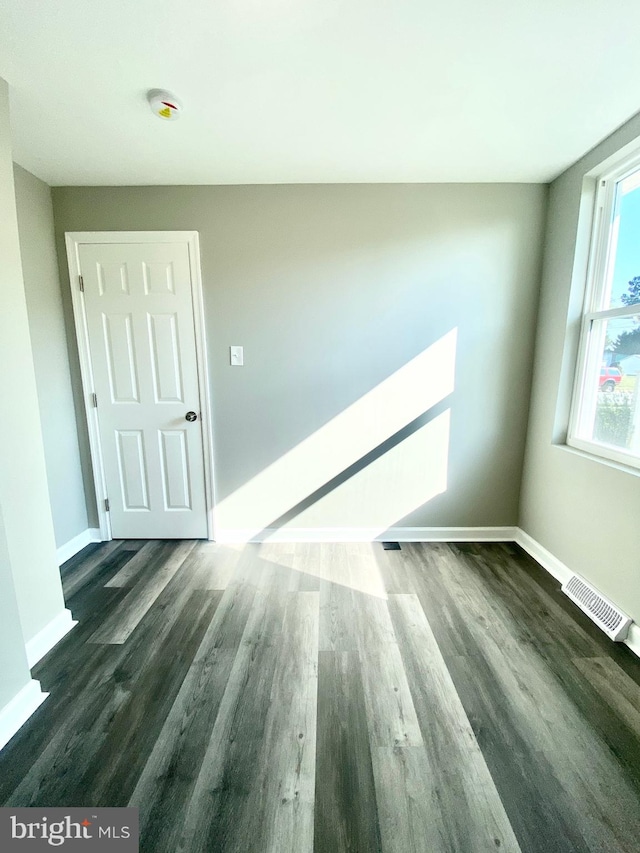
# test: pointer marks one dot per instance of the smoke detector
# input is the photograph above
(165, 105)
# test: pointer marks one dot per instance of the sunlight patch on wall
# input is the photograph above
(391, 487)
(381, 413)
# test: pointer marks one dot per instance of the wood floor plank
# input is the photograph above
(286, 778)
(537, 616)
(346, 815)
(551, 589)
(97, 674)
(134, 606)
(546, 717)
(294, 697)
(84, 570)
(619, 692)
(63, 669)
(224, 782)
(338, 630)
(439, 605)
(460, 786)
(214, 564)
(396, 573)
(541, 811)
(137, 563)
(109, 566)
(166, 783)
(235, 789)
(312, 563)
(133, 544)
(365, 575)
(169, 776)
(101, 750)
(410, 821)
(282, 553)
(65, 674)
(391, 714)
(135, 729)
(55, 777)
(80, 557)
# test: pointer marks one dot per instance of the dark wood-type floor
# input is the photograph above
(298, 698)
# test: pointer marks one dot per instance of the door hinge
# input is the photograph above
(94, 401)
(106, 505)
(81, 281)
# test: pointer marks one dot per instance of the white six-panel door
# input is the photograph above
(140, 329)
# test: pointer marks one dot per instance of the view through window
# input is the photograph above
(606, 412)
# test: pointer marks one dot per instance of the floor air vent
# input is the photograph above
(606, 615)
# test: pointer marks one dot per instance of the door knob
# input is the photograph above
(191, 416)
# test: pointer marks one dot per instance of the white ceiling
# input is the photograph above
(302, 91)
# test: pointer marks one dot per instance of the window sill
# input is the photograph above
(593, 453)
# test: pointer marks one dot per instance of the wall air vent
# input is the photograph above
(606, 615)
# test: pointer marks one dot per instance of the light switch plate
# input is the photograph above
(236, 356)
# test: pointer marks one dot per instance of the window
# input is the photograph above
(605, 416)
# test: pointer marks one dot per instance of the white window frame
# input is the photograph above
(598, 283)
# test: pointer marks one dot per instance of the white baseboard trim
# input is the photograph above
(49, 636)
(561, 573)
(633, 638)
(73, 546)
(365, 534)
(540, 554)
(18, 710)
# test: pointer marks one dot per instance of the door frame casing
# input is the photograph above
(73, 241)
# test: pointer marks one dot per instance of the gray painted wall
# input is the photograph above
(28, 528)
(331, 289)
(13, 657)
(50, 355)
(586, 512)
(14, 670)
